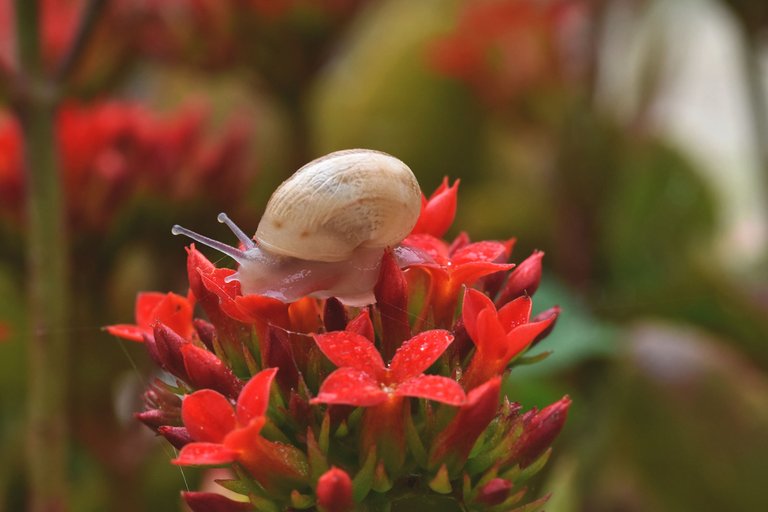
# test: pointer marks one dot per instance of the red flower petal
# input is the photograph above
(474, 302)
(417, 354)
(208, 415)
(362, 325)
(351, 387)
(490, 251)
(433, 387)
(438, 213)
(346, 348)
(204, 454)
(257, 308)
(434, 247)
(515, 313)
(128, 332)
(491, 337)
(173, 310)
(254, 398)
(519, 339)
(146, 302)
(469, 272)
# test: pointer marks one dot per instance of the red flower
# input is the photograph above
(152, 308)
(498, 335)
(363, 380)
(111, 150)
(503, 48)
(438, 212)
(224, 434)
(457, 265)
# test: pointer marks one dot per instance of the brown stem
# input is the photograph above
(91, 14)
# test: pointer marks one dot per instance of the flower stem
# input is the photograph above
(47, 255)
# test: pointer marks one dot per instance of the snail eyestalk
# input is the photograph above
(239, 233)
(234, 253)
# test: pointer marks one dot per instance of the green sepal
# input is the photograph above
(318, 462)
(263, 504)
(519, 476)
(236, 486)
(272, 432)
(342, 431)
(466, 487)
(325, 433)
(527, 360)
(414, 442)
(381, 481)
(252, 362)
(528, 507)
(441, 483)
(363, 481)
(301, 501)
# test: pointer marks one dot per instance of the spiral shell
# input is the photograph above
(343, 201)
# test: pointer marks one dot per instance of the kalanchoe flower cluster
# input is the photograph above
(112, 150)
(504, 48)
(318, 406)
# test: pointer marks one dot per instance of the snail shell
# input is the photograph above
(338, 203)
(325, 229)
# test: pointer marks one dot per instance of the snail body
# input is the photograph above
(325, 229)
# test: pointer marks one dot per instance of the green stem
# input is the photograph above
(47, 255)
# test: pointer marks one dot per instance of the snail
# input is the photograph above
(325, 229)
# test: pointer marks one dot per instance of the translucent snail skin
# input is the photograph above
(325, 229)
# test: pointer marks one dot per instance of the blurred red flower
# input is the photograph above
(111, 150)
(502, 48)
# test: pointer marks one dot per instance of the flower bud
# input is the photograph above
(494, 492)
(154, 418)
(391, 292)
(177, 436)
(169, 345)
(523, 280)
(206, 331)
(334, 491)
(334, 315)
(540, 431)
(205, 370)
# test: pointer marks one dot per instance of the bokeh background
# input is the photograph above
(627, 139)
